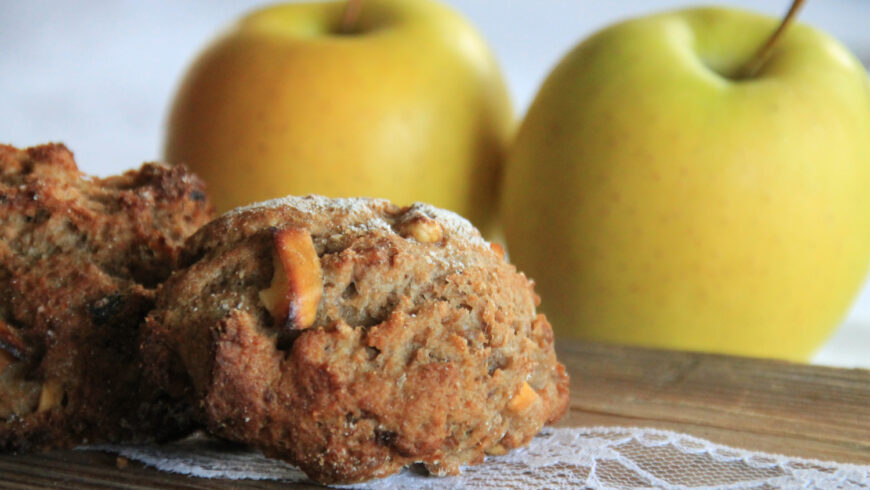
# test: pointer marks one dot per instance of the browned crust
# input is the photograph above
(79, 258)
(414, 355)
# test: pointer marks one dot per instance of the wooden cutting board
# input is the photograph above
(778, 407)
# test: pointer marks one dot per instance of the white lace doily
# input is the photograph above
(601, 457)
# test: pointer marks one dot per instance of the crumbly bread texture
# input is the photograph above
(425, 346)
(79, 260)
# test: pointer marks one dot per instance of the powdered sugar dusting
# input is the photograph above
(456, 224)
(369, 213)
(315, 205)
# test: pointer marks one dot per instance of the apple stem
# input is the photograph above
(755, 63)
(350, 17)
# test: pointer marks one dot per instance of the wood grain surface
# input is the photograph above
(773, 406)
(799, 410)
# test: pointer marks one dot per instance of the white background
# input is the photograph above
(99, 75)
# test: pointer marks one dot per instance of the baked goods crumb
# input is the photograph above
(424, 346)
(79, 260)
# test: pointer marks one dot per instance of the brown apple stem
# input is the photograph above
(755, 63)
(350, 17)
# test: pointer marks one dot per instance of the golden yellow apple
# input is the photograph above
(407, 103)
(658, 199)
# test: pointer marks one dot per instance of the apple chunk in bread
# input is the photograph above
(524, 399)
(297, 283)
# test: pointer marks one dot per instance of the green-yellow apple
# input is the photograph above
(409, 105)
(657, 199)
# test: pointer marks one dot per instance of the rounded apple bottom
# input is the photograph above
(409, 339)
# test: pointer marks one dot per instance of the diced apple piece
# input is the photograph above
(297, 283)
(51, 395)
(524, 398)
(497, 248)
(497, 450)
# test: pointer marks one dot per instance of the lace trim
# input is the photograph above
(600, 457)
